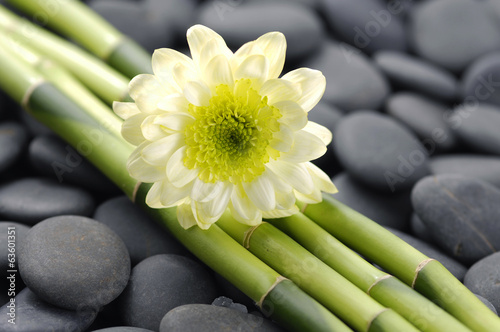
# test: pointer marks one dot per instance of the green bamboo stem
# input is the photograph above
(380, 246)
(104, 81)
(77, 21)
(383, 287)
(331, 289)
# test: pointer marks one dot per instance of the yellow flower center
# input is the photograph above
(229, 139)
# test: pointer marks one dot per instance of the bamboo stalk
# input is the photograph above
(331, 289)
(383, 287)
(77, 21)
(385, 249)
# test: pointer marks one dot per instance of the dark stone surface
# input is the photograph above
(460, 213)
(240, 22)
(370, 25)
(123, 329)
(12, 235)
(31, 200)
(74, 262)
(52, 157)
(477, 126)
(142, 236)
(379, 152)
(483, 167)
(452, 33)
(481, 80)
(412, 73)
(13, 143)
(424, 117)
(160, 283)
(482, 279)
(179, 14)
(210, 318)
(387, 209)
(456, 268)
(32, 313)
(487, 303)
(419, 229)
(353, 82)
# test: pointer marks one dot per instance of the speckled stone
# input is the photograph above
(74, 262)
(481, 80)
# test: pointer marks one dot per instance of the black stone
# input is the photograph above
(483, 167)
(481, 80)
(452, 33)
(52, 157)
(419, 229)
(240, 22)
(487, 303)
(160, 283)
(387, 209)
(12, 235)
(13, 143)
(210, 318)
(408, 72)
(456, 268)
(31, 200)
(123, 329)
(34, 314)
(379, 152)
(482, 279)
(142, 236)
(425, 117)
(353, 82)
(478, 127)
(74, 262)
(460, 213)
(179, 14)
(226, 302)
(369, 25)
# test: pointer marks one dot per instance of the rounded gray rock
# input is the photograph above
(460, 214)
(481, 80)
(74, 262)
(12, 236)
(123, 329)
(13, 140)
(379, 152)
(419, 229)
(482, 279)
(487, 303)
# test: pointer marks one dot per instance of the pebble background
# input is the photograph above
(412, 99)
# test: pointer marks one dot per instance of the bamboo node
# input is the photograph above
(136, 189)
(419, 268)
(27, 95)
(303, 210)
(375, 317)
(387, 276)
(276, 282)
(248, 234)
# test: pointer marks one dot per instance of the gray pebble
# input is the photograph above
(31, 200)
(74, 262)
(379, 152)
(226, 302)
(160, 283)
(482, 279)
(481, 80)
(12, 235)
(419, 229)
(13, 143)
(123, 329)
(209, 318)
(460, 213)
(487, 303)
(179, 14)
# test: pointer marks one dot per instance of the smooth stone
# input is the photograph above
(210, 318)
(231, 291)
(482, 279)
(483, 167)
(12, 236)
(369, 25)
(226, 302)
(419, 229)
(487, 303)
(142, 236)
(379, 152)
(160, 283)
(441, 33)
(179, 14)
(460, 213)
(31, 200)
(13, 140)
(33, 313)
(54, 158)
(123, 329)
(415, 74)
(481, 80)
(34, 127)
(240, 22)
(353, 82)
(133, 19)
(74, 262)
(456, 268)
(425, 117)
(478, 127)
(387, 209)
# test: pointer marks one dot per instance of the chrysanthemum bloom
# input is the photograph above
(221, 130)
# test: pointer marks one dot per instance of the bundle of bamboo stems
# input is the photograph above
(304, 271)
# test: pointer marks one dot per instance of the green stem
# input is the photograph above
(104, 81)
(78, 22)
(397, 257)
(335, 292)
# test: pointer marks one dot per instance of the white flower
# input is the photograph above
(221, 130)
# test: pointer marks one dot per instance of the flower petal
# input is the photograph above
(242, 208)
(213, 48)
(313, 85)
(146, 91)
(261, 192)
(280, 213)
(321, 180)
(210, 211)
(172, 196)
(174, 103)
(205, 191)
(197, 93)
(320, 131)
(178, 174)
(153, 196)
(164, 61)
(218, 71)
(198, 36)
(255, 67)
(174, 121)
(159, 152)
(295, 175)
(144, 172)
(282, 139)
(305, 147)
(292, 114)
(125, 110)
(150, 130)
(185, 216)
(278, 90)
(131, 129)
